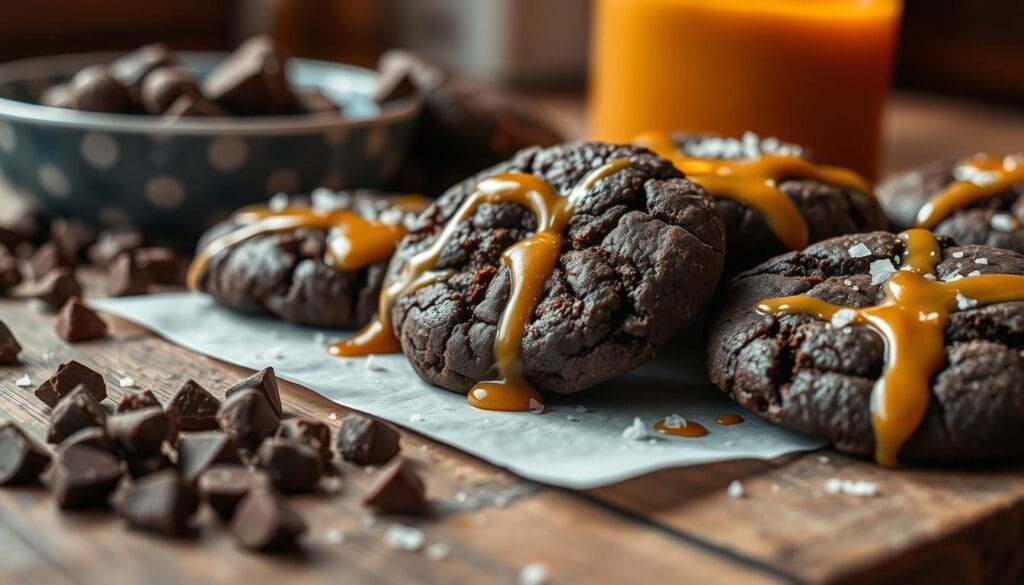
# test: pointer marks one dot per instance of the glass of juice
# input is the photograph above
(815, 72)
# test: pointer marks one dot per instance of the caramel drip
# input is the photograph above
(530, 262)
(691, 429)
(728, 419)
(754, 182)
(354, 242)
(987, 177)
(912, 320)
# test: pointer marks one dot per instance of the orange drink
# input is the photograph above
(814, 72)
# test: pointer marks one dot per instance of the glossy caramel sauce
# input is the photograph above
(912, 320)
(980, 177)
(728, 419)
(754, 182)
(530, 262)
(680, 427)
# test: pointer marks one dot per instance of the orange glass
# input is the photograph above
(816, 72)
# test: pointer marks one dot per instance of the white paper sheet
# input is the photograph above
(564, 446)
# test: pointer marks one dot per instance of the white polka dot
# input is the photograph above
(376, 140)
(165, 192)
(333, 180)
(335, 136)
(114, 216)
(283, 181)
(227, 153)
(99, 150)
(8, 141)
(53, 180)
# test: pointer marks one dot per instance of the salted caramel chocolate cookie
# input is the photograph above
(772, 195)
(464, 127)
(976, 200)
(553, 271)
(318, 261)
(907, 347)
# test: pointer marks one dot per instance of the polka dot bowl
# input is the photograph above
(174, 179)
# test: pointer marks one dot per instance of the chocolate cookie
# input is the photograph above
(994, 220)
(638, 258)
(820, 209)
(285, 272)
(828, 378)
(464, 127)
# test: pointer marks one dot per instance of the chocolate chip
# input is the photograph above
(163, 86)
(143, 465)
(113, 242)
(312, 101)
(72, 236)
(193, 408)
(132, 68)
(313, 434)
(22, 457)
(30, 226)
(47, 258)
(95, 437)
(398, 491)
(125, 278)
(163, 265)
(56, 288)
(197, 452)
(263, 522)
(162, 502)
(84, 476)
(95, 90)
(252, 81)
(224, 486)
(248, 418)
(9, 346)
(76, 411)
(77, 322)
(139, 432)
(367, 441)
(137, 401)
(291, 465)
(194, 106)
(58, 96)
(10, 273)
(66, 378)
(265, 381)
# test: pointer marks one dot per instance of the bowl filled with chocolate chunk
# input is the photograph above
(172, 142)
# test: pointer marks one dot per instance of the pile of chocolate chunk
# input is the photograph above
(156, 465)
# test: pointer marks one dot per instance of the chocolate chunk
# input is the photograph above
(78, 322)
(113, 242)
(193, 408)
(313, 434)
(395, 83)
(162, 502)
(165, 85)
(367, 441)
(95, 437)
(56, 288)
(137, 401)
(9, 346)
(131, 69)
(265, 381)
(398, 491)
(143, 465)
(139, 432)
(248, 418)
(252, 81)
(49, 257)
(22, 457)
(67, 377)
(83, 477)
(194, 106)
(76, 411)
(163, 265)
(95, 90)
(58, 96)
(10, 272)
(30, 225)
(292, 466)
(72, 236)
(263, 522)
(196, 453)
(224, 486)
(312, 101)
(125, 278)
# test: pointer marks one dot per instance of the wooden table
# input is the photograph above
(676, 526)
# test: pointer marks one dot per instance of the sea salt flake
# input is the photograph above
(735, 489)
(126, 382)
(331, 485)
(372, 365)
(479, 393)
(438, 551)
(823, 459)
(415, 417)
(368, 520)
(334, 536)
(536, 407)
(982, 261)
(974, 273)
(636, 431)
(880, 270)
(963, 302)
(674, 421)
(848, 282)
(842, 318)
(929, 276)
(851, 487)
(332, 416)
(1004, 222)
(958, 254)
(404, 537)
(953, 276)
(278, 202)
(533, 574)
(23, 381)
(859, 250)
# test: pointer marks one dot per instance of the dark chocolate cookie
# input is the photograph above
(640, 258)
(828, 210)
(285, 273)
(818, 376)
(464, 128)
(997, 221)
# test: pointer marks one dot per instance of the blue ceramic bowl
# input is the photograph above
(174, 179)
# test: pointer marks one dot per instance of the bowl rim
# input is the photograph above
(39, 114)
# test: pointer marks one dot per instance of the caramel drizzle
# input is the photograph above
(912, 320)
(530, 262)
(691, 429)
(354, 242)
(727, 420)
(987, 176)
(754, 182)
